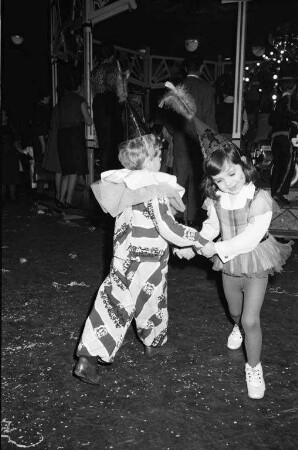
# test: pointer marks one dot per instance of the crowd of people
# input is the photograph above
(58, 142)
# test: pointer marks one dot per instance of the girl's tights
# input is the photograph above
(245, 298)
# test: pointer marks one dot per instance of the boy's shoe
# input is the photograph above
(235, 338)
(255, 381)
(87, 370)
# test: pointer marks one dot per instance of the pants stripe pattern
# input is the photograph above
(132, 290)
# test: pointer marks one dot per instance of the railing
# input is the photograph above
(150, 72)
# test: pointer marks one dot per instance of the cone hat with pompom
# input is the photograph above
(178, 99)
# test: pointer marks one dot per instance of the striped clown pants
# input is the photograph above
(132, 290)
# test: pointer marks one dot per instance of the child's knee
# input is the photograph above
(250, 324)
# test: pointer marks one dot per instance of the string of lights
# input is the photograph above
(282, 55)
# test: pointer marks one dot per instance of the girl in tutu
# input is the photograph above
(246, 254)
(241, 214)
(141, 198)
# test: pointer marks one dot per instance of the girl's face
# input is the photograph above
(153, 163)
(231, 179)
(295, 140)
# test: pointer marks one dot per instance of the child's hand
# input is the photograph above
(186, 253)
(208, 250)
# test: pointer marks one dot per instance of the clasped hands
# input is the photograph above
(188, 252)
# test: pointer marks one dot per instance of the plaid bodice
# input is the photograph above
(232, 222)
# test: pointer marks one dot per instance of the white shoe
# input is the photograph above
(235, 339)
(255, 381)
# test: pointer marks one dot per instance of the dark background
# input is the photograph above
(25, 68)
(160, 24)
(164, 24)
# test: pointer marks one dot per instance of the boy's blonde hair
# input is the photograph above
(132, 153)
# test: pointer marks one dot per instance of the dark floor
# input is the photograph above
(192, 397)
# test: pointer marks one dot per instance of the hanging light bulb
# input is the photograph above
(17, 39)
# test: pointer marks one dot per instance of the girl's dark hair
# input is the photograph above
(293, 131)
(213, 166)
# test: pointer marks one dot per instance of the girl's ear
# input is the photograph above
(244, 159)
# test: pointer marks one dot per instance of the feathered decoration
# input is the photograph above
(182, 103)
(179, 100)
(121, 84)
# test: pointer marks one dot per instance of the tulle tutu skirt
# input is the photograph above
(268, 257)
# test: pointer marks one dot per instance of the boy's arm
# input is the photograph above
(172, 231)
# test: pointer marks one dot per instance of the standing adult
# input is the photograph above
(285, 112)
(40, 130)
(9, 158)
(73, 114)
(188, 161)
(224, 110)
(109, 93)
(51, 160)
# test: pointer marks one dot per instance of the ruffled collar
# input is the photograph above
(239, 201)
(136, 179)
(120, 189)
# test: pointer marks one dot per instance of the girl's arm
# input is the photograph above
(246, 241)
(172, 231)
(210, 229)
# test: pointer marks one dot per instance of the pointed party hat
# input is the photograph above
(179, 99)
(135, 126)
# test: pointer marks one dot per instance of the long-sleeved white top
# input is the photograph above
(245, 241)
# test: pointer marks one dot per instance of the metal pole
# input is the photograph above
(87, 90)
(53, 27)
(239, 69)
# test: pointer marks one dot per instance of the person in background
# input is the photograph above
(141, 199)
(51, 160)
(109, 95)
(280, 119)
(73, 115)
(40, 130)
(10, 159)
(187, 157)
(224, 111)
